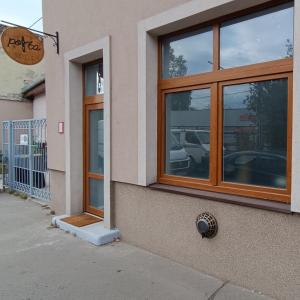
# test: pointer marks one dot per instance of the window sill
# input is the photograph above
(225, 198)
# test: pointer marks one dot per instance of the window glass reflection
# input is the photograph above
(188, 133)
(94, 82)
(96, 193)
(255, 133)
(96, 139)
(188, 53)
(259, 37)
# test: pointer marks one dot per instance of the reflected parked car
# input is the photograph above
(255, 168)
(179, 160)
(196, 143)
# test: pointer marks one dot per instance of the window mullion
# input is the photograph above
(220, 134)
(216, 47)
(213, 162)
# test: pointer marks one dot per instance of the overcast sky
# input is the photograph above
(23, 13)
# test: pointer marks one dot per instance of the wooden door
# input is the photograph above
(94, 159)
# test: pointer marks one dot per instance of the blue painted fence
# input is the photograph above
(24, 148)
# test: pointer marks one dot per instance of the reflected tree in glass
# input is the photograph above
(177, 67)
(267, 99)
(289, 48)
(255, 133)
(177, 64)
(188, 53)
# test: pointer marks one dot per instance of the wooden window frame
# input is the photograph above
(216, 80)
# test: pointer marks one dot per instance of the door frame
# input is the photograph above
(90, 103)
(73, 61)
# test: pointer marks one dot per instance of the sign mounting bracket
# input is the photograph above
(54, 37)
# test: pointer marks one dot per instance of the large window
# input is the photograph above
(225, 101)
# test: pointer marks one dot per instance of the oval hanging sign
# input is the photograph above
(22, 45)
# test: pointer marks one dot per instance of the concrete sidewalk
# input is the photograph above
(39, 262)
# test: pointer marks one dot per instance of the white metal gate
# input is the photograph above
(24, 147)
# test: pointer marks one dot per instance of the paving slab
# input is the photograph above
(233, 292)
(39, 262)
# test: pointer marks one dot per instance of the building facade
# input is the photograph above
(173, 108)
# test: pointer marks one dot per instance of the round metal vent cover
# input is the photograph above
(207, 225)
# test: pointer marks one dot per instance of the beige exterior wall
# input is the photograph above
(40, 107)
(89, 22)
(14, 110)
(57, 186)
(254, 248)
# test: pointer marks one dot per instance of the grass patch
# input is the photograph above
(10, 191)
(23, 196)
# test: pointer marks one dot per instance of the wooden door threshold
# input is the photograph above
(81, 220)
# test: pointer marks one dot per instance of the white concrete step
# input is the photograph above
(95, 233)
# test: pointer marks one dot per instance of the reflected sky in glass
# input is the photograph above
(200, 99)
(235, 96)
(259, 37)
(188, 53)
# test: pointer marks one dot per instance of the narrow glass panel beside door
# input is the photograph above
(96, 193)
(96, 155)
(94, 138)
